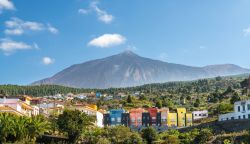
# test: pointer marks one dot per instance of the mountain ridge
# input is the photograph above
(128, 69)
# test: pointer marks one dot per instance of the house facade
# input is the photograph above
(136, 117)
(18, 106)
(241, 111)
(200, 114)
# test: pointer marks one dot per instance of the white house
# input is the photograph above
(92, 111)
(200, 114)
(241, 111)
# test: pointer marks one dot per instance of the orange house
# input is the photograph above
(136, 117)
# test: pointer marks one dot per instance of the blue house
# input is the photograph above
(98, 95)
(116, 116)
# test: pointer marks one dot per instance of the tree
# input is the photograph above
(149, 134)
(37, 125)
(224, 108)
(197, 103)
(158, 104)
(235, 98)
(74, 122)
(134, 138)
(129, 99)
(204, 136)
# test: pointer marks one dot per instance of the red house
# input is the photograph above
(153, 116)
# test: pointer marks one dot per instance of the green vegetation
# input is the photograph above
(16, 128)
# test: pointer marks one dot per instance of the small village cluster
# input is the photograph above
(136, 118)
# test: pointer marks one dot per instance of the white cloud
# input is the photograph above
(131, 48)
(16, 26)
(246, 31)
(15, 31)
(7, 5)
(52, 29)
(9, 46)
(83, 11)
(107, 40)
(35, 45)
(101, 14)
(47, 60)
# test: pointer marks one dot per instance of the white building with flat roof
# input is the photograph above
(241, 111)
(200, 114)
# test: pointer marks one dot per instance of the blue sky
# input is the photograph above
(40, 38)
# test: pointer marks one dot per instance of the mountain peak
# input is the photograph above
(128, 53)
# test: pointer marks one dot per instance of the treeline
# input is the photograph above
(42, 90)
(198, 86)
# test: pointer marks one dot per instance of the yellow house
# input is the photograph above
(189, 119)
(172, 119)
(181, 117)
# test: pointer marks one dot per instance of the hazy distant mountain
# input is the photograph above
(128, 69)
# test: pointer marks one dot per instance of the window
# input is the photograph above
(232, 118)
(248, 116)
(248, 106)
(243, 107)
(239, 117)
(118, 119)
(238, 108)
(112, 119)
(244, 116)
(132, 119)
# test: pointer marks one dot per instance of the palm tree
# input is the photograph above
(6, 126)
(37, 126)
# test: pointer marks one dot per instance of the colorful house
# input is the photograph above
(181, 117)
(136, 117)
(200, 114)
(153, 116)
(164, 114)
(172, 119)
(189, 119)
(125, 119)
(17, 106)
(116, 116)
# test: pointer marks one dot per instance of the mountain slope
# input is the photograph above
(128, 69)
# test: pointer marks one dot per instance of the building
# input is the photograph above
(164, 114)
(18, 106)
(136, 117)
(126, 119)
(184, 119)
(145, 119)
(172, 120)
(50, 108)
(181, 117)
(189, 119)
(200, 114)
(106, 119)
(241, 111)
(153, 116)
(90, 110)
(116, 116)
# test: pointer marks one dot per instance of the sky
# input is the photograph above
(39, 38)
